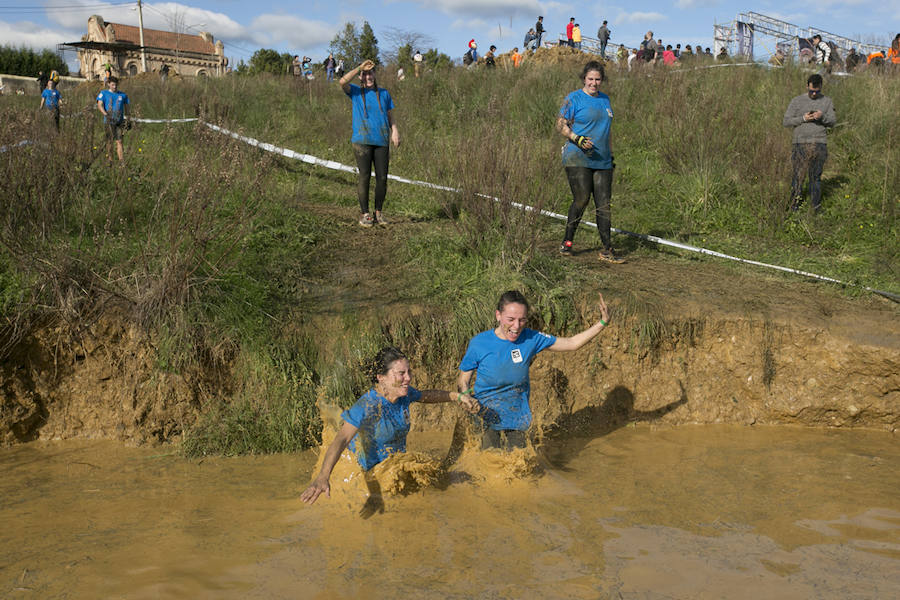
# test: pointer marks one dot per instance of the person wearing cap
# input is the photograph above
(373, 127)
(809, 114)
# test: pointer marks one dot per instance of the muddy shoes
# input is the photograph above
(366, 220)
(566, 248)
(607, 255)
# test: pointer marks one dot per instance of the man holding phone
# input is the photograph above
(809, 114)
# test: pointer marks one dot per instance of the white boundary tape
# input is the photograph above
(16, 145)
(331, 164)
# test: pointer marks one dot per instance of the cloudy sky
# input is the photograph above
(307, 27)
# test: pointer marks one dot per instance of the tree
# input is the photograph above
(345, 46)
(437, 60)
(265, 60)
(27, 63)
(399, 38)
(405, 57)
(368, 44)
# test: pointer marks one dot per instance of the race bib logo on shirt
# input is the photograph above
(609, 112)
(516, 355)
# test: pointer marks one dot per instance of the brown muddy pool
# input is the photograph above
(692, 512)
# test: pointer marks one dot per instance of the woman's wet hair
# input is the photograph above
(593, 66)
(512, 297)
(375, 87)
(382, 362)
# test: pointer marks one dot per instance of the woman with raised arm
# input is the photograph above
(373, 128)
(500, 359)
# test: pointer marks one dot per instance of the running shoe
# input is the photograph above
(608, 255)
(380, 220)
(566, 248)
(366, 220)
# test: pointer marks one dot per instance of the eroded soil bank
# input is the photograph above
(786, 358)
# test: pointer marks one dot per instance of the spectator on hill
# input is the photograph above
(373, 126)
(809, 114)
(569, 29)
(50, 99)
(632, 57)
(377, 425)
(723, 54)
(687, 53)
(538, 32)
(698, 51)
(500, 358)
(296, 66)
(875, 59)
(576, 36)
(417, 62)
(852, 60)
(113, 104)
(489, 57)
(516, 57)
(708, 53)
(164, 73)
(603, 35)
(340, 68)
(668, 56)
(822, 53)
(585, 120)
(401, 75)
(330, 64)
(777, 59)
(649, 47)
(42, 80)
(622, 56)
(530, 37)
(894, 51)
(471, 55)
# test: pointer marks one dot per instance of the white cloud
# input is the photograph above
(32, 35)
(295, 32)
(695, 3)
(640, 17)
(484, 8)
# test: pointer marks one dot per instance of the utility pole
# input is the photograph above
(141, 27)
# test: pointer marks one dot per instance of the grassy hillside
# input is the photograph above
(231, 258)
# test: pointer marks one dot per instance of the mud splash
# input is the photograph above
(692, 512)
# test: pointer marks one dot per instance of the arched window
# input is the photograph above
(132, 69)
(202, 73)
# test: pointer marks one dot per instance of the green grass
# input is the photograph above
(213, 247)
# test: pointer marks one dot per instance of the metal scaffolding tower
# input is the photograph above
(770, 34)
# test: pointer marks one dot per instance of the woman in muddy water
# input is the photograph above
(373, 127)
(376, 426)
(500, 359)
(585, 120)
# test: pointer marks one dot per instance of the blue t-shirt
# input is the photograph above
(590, 116)
(51, 98)
(370, 121)
(382, 426)
(501, 375)
(114, 105)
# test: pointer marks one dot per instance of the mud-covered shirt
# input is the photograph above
(590, 116)
(51, 99)
(501, 368)
(114, 105)
(382, 426)
(370, 118)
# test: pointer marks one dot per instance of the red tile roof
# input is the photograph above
(154, 38)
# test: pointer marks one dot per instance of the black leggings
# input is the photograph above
(585, 181)
(365, 156)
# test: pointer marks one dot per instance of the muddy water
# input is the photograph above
(705, 512)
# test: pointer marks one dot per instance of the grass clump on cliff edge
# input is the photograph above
(219, 249)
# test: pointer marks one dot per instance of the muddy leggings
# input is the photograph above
(584, 182)
(366, 155)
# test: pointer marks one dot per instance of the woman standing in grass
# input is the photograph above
(376, 426)
(585, 120)
(373, 126)
(500, 359)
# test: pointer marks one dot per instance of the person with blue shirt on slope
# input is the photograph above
(500, 359)
(114, 106)
(50, 99)
(585, 120)
(373, 127)
(376, 426)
